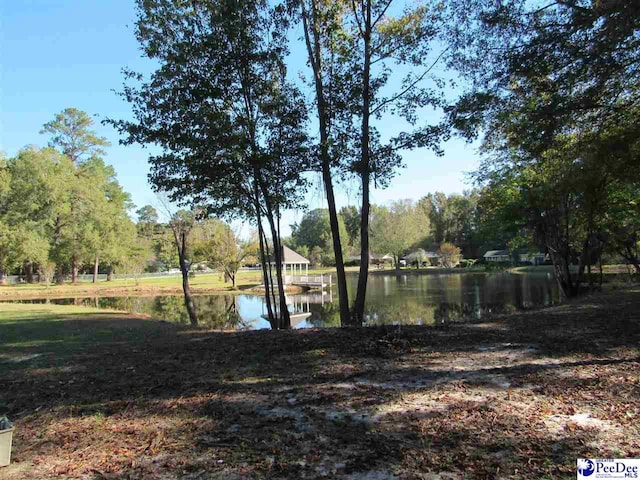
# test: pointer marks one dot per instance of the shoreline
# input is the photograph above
(79, 291)
(209, 284)
(75, 291)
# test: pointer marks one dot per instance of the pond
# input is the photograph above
(403, 299)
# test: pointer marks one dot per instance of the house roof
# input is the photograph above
(292, 258)
(372, 256)
(497, 253)
(379, 256)
(427, 254)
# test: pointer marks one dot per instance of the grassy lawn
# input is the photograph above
(105, 395)
(200, 283)
(199, 280)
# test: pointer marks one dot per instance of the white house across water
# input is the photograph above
(497, 256)
(537, 258)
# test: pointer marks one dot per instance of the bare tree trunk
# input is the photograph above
(601, 272)
(559, 271)
(59, 275)
(272, 283)
(284, 319)
(28, 272)
(264, 258)
(96, 264)
(57, 232)
(315, 54)
(74, 269)
(365, 175)
(267, 281)
(588, 248)
(184, 269)
(341, 277)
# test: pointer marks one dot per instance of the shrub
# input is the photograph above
(449, 255)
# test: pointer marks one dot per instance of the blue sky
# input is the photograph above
(69, 53)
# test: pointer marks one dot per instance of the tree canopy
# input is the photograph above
(556, 102)
(63, 209)
(71, 132)
(232, 133)
(396, 228)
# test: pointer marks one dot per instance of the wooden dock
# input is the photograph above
(296, 318)
(312, 281)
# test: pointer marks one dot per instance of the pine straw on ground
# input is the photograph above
(521, 396)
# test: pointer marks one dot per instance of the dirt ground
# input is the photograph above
(520, 396)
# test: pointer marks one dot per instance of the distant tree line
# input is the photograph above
(403, 226)
(62, 210)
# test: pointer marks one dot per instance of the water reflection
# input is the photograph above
(218, 312)
(403, 299)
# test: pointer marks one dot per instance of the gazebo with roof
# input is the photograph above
(293, 265)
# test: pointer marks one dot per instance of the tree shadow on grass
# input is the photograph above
(58, 338)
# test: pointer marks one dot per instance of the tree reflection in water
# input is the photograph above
(403, 299)
(218, 312)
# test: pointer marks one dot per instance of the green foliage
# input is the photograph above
(396, 228)
(71, 131)
(351, 218)
(230, 125)
(165, 249)
(316, 256)
(622, 223)
(313, 233)
(559, 111)
(147, 221)
(104, 229)
(133, 258)
(419, 257)
(449, 255)
(453, 218)
(217, 244)
(63, 209)
(38, 195)
(241, 123)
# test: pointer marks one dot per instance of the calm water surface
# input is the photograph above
(391, 299)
